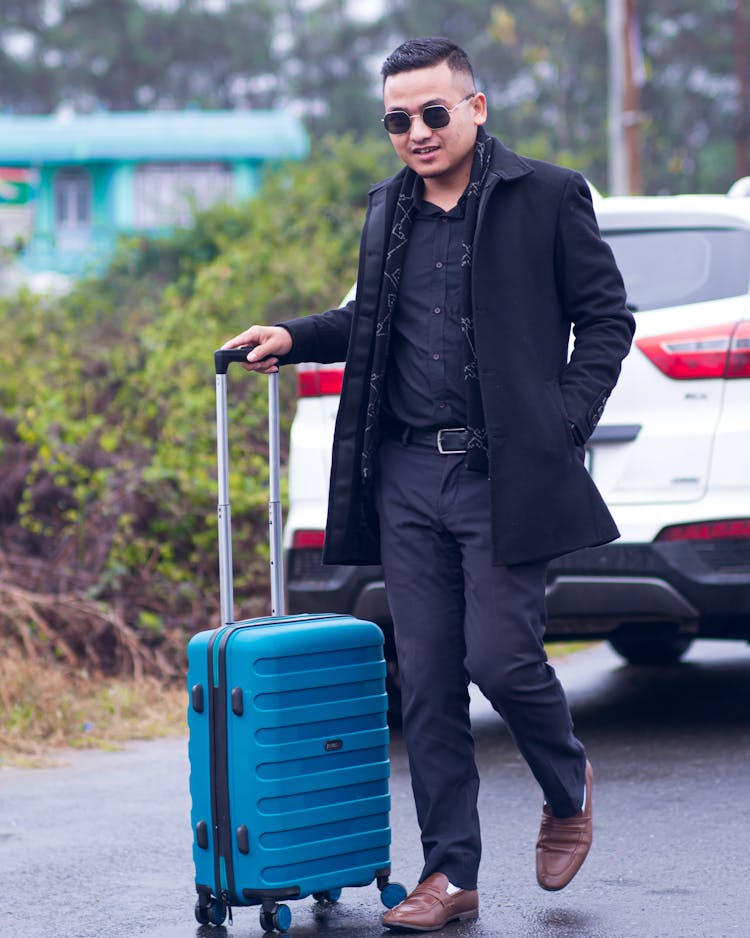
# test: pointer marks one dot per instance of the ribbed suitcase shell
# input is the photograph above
(307, 758)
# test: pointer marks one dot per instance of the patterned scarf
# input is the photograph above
(476, 455)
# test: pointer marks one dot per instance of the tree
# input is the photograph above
(692, 97)
(330, 66)
(27, 82)
(542, 64)
(126, 55)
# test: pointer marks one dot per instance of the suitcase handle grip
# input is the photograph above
(224, 357)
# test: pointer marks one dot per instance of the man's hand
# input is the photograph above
(265, 344)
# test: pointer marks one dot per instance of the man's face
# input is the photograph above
(447, 152)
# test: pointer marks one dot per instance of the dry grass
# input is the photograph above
(45, 709)
(558, 651)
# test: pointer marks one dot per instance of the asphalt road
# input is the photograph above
(101, 846)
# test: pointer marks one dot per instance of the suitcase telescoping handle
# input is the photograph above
(222, 359)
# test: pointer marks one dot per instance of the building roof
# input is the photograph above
(150, 135)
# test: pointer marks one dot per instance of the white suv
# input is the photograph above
(671, 455)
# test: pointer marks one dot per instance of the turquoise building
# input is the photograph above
(102, 175)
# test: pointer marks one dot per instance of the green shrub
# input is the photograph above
(107, 401)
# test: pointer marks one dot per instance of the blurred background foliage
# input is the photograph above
(107, 490)
(542, 64)
(107, 480)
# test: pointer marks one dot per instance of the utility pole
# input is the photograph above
(624, 97)
(618, 174)
(632, 115)
(742, 162)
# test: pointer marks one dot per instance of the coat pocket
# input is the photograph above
(565, 428)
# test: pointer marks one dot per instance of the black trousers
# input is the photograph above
(457, 619)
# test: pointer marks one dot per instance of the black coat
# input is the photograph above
(540, 267)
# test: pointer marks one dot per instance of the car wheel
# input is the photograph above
(659, 650)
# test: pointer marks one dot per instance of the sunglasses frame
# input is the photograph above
(428, 107)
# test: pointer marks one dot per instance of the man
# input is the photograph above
(458, 457)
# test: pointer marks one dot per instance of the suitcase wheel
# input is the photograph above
(201, 914)
(217, 912)
(275, 917)
(331, 895)
(212, 914)
(391, 894)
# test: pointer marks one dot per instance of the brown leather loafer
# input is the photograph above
(430, 906)
(564, 842)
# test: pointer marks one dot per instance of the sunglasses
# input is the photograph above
(433, 116)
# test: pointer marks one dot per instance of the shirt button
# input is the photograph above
(436, 357)
(439, 265)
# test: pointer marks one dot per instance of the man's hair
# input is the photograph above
(425, 53)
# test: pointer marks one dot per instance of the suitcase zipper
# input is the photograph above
(217, 702)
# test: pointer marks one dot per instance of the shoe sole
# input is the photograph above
(461, 917)
(556, 888)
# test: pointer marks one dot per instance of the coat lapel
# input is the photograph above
(507, 166)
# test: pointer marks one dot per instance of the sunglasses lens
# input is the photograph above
(436, 116)
(396, 122)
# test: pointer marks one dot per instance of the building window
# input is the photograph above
(168, 194)
(73, 199)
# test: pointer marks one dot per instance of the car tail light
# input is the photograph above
(732, 529)
(304, 539)
(319, 380)
(710, 352)
(738, 365)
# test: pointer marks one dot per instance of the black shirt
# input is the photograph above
(425, 385)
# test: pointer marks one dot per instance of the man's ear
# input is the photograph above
(478, 105)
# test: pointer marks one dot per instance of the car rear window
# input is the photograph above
(674, 267)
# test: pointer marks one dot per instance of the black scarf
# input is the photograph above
(476, 455)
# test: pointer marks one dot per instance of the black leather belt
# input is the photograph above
(450, 440)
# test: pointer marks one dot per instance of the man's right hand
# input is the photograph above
(265, 344)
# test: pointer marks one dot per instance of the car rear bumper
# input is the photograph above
(702, 586)
(315, 588)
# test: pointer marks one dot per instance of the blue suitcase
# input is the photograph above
(288, 739)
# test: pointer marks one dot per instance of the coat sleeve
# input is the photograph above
(323, 337)
(593, 297)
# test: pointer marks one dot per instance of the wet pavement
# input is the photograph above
(102, 845)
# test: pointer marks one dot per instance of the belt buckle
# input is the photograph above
(446, 452)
